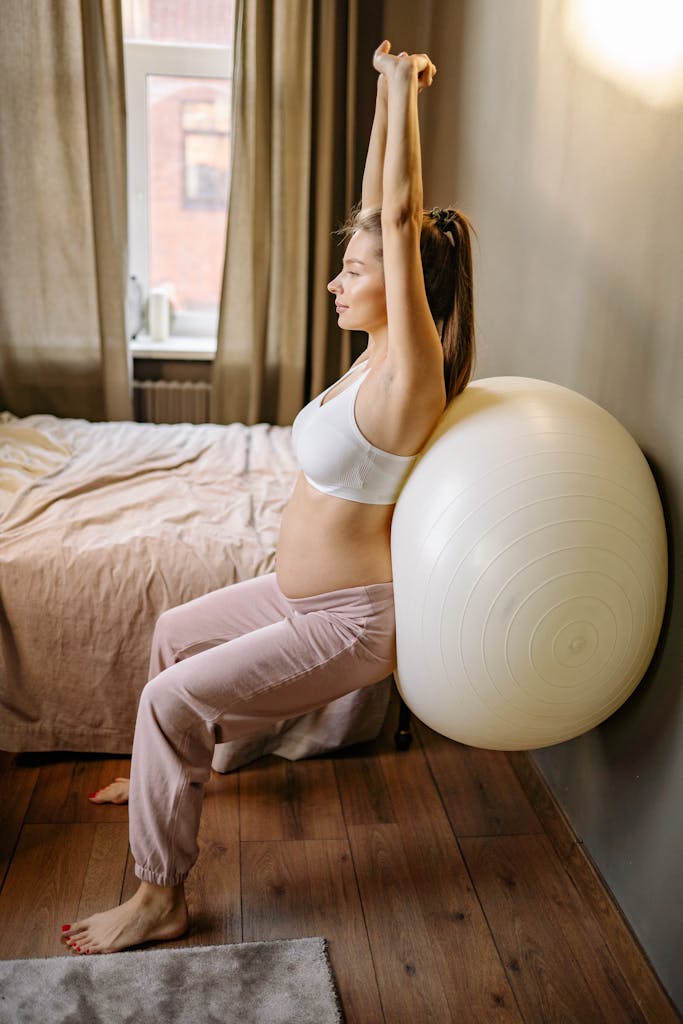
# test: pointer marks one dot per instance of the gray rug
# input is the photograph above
(287, 982)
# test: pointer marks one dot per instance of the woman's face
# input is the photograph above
(358, 289)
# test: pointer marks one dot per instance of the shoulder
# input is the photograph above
(418, 380)
(401, 410)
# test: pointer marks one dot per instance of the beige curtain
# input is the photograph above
(303, 100)
(63, 210)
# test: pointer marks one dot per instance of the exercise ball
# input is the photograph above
(530, 567)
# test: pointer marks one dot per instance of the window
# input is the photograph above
(178, 62)
(206, 152)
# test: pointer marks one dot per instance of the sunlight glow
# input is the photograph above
(636, 43)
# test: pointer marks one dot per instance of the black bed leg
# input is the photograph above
(403, 737)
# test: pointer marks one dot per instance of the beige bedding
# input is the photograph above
(102, 527)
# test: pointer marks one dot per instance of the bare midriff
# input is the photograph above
(328, 543)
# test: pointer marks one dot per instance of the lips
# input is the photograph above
(339, 307)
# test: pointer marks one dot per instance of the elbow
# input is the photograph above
(401, 217)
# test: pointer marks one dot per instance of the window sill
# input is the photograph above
(175, 347)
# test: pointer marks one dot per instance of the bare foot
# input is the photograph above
(154, 913)
(115, 793)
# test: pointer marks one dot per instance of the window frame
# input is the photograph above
(142, 58)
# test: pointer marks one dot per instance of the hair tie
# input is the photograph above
(445, 221)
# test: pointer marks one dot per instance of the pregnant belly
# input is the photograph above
(329, 543)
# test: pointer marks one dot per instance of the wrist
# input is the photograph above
(403, 78)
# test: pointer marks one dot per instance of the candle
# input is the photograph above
(159, 316)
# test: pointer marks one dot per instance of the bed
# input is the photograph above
(102, 527)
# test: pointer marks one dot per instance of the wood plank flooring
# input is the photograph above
(445, 879)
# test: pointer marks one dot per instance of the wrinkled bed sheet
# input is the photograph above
(102, 527)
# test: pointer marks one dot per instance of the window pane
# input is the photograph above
(179, 21)
(188, 138)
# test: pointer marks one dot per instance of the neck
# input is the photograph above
(378, 344)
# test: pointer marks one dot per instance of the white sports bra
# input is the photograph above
(337, 459)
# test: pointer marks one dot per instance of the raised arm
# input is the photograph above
(374, 161)
(414, 343)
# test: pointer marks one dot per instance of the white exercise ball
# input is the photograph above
(530, 567)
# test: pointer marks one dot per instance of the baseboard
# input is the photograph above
(577, 862)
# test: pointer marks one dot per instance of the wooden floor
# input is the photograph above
(447, 884)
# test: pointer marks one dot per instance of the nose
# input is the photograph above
(333, 285)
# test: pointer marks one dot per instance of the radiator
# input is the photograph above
(171, 401)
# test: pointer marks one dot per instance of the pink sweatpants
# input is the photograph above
(229, 664)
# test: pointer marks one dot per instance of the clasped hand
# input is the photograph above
(403, 64)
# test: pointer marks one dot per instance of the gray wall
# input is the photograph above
(575, 186)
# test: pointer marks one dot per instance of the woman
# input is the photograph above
(274, 647)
